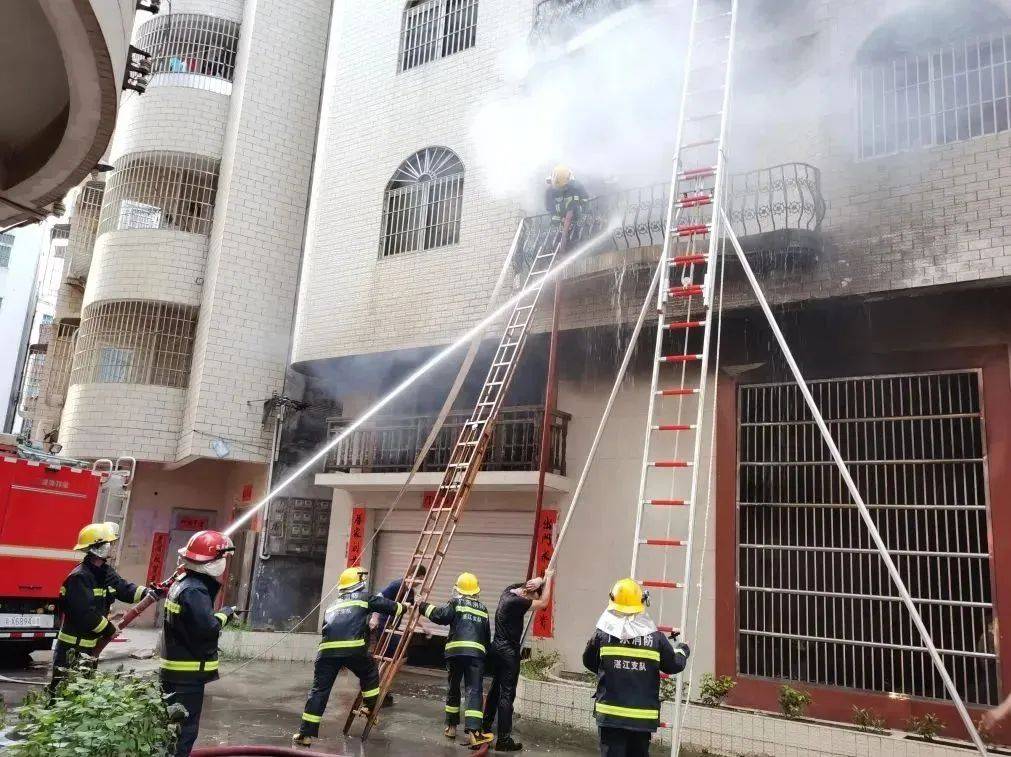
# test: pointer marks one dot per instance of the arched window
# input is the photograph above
(422, 203)
(933, 75)
(435, 29)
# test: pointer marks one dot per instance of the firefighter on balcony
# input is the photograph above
(628, 654)
(466, 646)
(345, 645)
(189, 639)
(565, 199)
(85, 599)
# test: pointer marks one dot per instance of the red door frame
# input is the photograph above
(835, 703)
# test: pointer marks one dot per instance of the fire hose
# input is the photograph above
(134, 612)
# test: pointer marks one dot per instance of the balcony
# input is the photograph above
(776, 212)
(379, 455)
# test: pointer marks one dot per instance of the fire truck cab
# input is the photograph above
(45, 500)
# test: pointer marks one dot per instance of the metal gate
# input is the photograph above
(815, 603)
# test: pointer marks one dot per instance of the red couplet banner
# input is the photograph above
(356, 537)
(544, 624)
(156, 565)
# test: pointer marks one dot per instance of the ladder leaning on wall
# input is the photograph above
(465, 461)
(675, 416)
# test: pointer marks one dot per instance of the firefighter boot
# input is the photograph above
(299, 740)
(506, 744)
(477, 739)
(450, 732)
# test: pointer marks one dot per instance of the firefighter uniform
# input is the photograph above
(560, 201)
(627, 700)
(189, 648)
(119, 589)
(345, 644)
(84, 606)
(466, 646)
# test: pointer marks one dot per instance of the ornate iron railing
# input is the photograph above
(391, 444)
(557, 21)
(769, 208)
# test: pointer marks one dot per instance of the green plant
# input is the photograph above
(794, 703)
(538, 664)
(868, 720)
(713, 690)
(926, 727)
(97, 714)
(668, 688)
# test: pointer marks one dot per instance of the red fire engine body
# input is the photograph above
(44, 503)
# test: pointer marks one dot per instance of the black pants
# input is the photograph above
(619, 742)
(469, 670)
(189, 694)
(324, 675)
(504, 663)
(65, 657)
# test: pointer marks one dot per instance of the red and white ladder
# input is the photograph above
(669, 482)
(442, 518)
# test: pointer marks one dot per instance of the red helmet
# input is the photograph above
(205, 546)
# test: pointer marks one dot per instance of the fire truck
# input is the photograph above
(45, 500)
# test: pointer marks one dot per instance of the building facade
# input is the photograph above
(867, 155)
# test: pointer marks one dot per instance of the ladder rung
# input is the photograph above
(680, 358)
(694, 229)
(698, 173)
(665, 542)
(718, 88)
(670, 464)
(682, 325)
(686, 291)
(674, 427)
(694, 201)
(665, 629)
(705, 116)
(666, 502)
(700, 143)
(676, 392)
(688, 259)
(663, 584)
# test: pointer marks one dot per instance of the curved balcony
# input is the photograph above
(191, 50)
(58, 360)
(83, 230)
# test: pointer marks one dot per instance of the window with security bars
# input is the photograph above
(84, 229)
(191, 43)
(135, 342)
(160, 190)
(423, 203)
(815, 603)
(949, 94)
(6, 245)
(436, 29)
(60, 357)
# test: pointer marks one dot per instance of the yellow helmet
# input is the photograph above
(560, 176)
(94, 534)
(466, 584)
(628, 597)
(352, 578)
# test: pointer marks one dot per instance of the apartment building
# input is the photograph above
(172, 326)
(868, 163)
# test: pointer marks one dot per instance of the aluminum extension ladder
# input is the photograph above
(691, 245)
(114, 498)
(464, 463)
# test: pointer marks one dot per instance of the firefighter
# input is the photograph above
(628, 654)
(565, 199)
(85, 601)
(466, 646)
(345, 645)
(189, 639)
(504, 657)
(118, 588)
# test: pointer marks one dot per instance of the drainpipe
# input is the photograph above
(550, 399)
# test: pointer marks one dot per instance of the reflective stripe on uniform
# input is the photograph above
(642, 654)
(101, 625)
(189, 666)
(473, 714)
(429, 610)
(76, 641)
(352, 603)
(400, 609)
(222, 618)
(100, 592)
(465, 645)
(370, 693)
(342, 644)
(452, 710)
(639, 713)
(172, 607)
(472, 611)
(138, 595)
(310, 718)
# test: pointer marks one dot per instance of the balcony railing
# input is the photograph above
(557, 21)
(778, 208)
(391, 444)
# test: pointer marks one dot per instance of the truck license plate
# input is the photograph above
(26, 620)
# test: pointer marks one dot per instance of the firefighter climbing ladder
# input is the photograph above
(691, 243)
(464, 463)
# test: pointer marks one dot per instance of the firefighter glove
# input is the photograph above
(110, 630)
(682, 649)
(155, 592)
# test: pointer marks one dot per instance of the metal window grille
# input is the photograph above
(84, 229)
(135, 342)
(59, 231)
(61, 355)
(191, 43)
(6, 245)
(33, 379)
(161, 190)
(435, 29)
(950, 94)
(423, 203)
(815, 602)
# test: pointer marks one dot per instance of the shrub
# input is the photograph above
(98, 714)
(538, 665)
(668, 688)
(868, 720)
(927, 726)
(713, 690)
(794, 703)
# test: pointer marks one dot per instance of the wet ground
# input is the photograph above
(261, 703)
